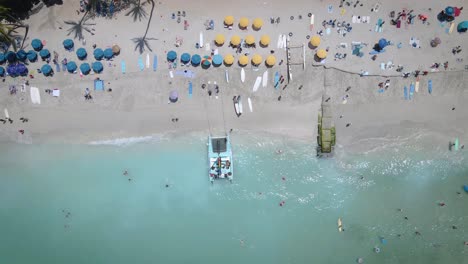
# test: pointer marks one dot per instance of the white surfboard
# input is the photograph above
(278, 44)
(250, 104)
(147, 61)
(242, 75)
(257, 83)
(240, 106)
(265, 79)
(416, 88)
(227, 76)
(236, 108)
(284, 42)
(7, 116)
(201, 40)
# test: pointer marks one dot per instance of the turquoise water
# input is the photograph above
(113, 220)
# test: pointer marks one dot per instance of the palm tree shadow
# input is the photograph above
(142, 43)
(77, 28)
(137, 11)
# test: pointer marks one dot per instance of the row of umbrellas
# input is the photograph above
(85, 68)
(217, 59)
(21, 55)
(236, 40)
(244, 22)
(14, 70)
(98, 53)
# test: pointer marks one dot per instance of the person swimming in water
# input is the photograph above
(125, 173)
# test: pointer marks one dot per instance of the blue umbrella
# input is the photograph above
(11, 56)
(46, 69)
(173, 96)
(449, 10)
(68, 44)
(22, 70)
(2, 58)
(108, 53)
(171, 55)
(71, 66)
(32, 56)
(97, 66)
(85, 68)
(81, 53)
(2, 71)
(44, 53)
(383, 43)
(21, 55)
(98, 54)
(36, 44)
(462, 26)
(185, 58)
(217, 59)
(196, 59)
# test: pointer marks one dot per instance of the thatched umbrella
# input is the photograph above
(116, 49)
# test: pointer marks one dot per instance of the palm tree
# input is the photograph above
(137, 11)
(78, 27)
(9, 26)
(142, 42)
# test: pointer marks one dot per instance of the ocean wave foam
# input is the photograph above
(122, 142)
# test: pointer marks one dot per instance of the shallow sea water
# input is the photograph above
(113, 220)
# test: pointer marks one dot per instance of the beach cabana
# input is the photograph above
(206, 62)
(85, 68)
(243, 23)
(173, 96)
(171, 55)
(116, 49)
(219, 40)
(32, 56)
(217, 60)
(321, 54)
(2, 58)
(257, 24)
(314, 41)
(250, 40)
(196, 59)
(462, 26)
(44, 53)
(98, 54)
(21, 55)
(270, 61)
(108, 53)
(97, 67)
(185, 58)
(265, 41)
(81, 53)
(2, 72)
(228, 59)
(235, 41)
(243, 60)
(229, 20)
(68, 44)
(11, 56)
(46, 70)
(36, 44)
(256, 59)
(71, 66)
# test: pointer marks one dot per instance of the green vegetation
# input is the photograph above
(9, 27)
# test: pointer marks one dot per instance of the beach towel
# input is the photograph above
(378, 25)
(124, 68)
(35, 96)
(7, 115)
(56, 93)
(411, 91)
(57, 67)
(140, 63)
(405, 91)
(190, 89)
(429, 86)
(155, 63)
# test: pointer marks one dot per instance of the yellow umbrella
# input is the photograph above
(265, 40)
(229, 20)
(257, 23)
(271, 60)
(243, 22)
(235, 40)
(250, 39)
(321, 53)
(229, 59)
(315, 41)
(219, 40)
(243, 60)
(256, 59)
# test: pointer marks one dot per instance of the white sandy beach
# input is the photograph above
(138, 104)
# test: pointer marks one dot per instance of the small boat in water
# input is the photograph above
(220, 158)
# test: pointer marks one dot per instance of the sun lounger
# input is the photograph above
(123, 66)
(57, 67)
(190, 89)
(155, 63)
(429, 86)
(35, 96)
(405, 92)
(140, 63)
(7, 115)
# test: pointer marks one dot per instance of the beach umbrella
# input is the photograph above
(46, 69)
(81, 53)
(449, 10)
(68, 44)
(257, 23)
(270, 61)
(229, 20)
(22, 69)
(243, 60)
(383, 43)
(85, 68)
(36, 44)
(219, 40)
(44, 53)
(217, 60)
(11, 70)
(196, 59)
(256, 59)
(32, 56)
(2, 71)
(116, 49)
(11, 56)
(235, 40)
(462, 26)
(98, 54)
(108, 53)
(185, 58)
(250, 39)
(171, 55)
(2, 58)
(21, 55)
(265, 40)
(97, 67)
(206, 62)
(173, 96)
(243, 22)
(315, 41)
(321, 54)
(228, 59)
(71, 66)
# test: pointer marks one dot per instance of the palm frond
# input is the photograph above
(77, 28)
(137, 12)
(142, 43)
